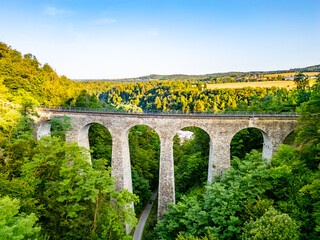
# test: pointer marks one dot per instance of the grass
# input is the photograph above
(264, 84)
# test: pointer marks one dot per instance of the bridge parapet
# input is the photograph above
(176, 113)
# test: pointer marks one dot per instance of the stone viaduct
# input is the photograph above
(221, 129)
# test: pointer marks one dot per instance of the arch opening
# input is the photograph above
(100, 143)
(191, 160)
(144, 147)
(248, 139)
(97, 139)
(290, 138)
(57, 127)
(60, 126)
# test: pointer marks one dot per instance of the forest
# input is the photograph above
(49, 191)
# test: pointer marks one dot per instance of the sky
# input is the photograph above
(107, 39)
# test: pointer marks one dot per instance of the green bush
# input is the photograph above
(271, 226)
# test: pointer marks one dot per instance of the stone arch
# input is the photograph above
(153, 128)
(286, 133)
(190, 124)
(83, 135)
(205, 130)
(267, 148)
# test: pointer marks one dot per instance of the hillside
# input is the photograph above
(23, 78)
(206, 77)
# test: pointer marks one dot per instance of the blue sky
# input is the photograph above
(120, 38)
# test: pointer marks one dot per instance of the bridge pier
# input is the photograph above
(44, 129)
(121, 167)
(268, 148)
(83, 140)
(211, 164)
(120, 161)
(219, 156)
(166, 175)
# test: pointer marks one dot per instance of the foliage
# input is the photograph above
(148, 233)
(191, 160)
(185, 97)
(246, 140)
(220, 209)
(100, 141)
(53, 181)
(144, 145)
(257, 209)
(272, 225)
(289, 174)
(51, 184)
(190, 237)
(302, 81)
(310, 119)
(226, 198)
(188, 172)
(86, 100)
(312, 191)
(60, 127)
(14, 224)
(142, 189)
(26, 80)
(75, 198)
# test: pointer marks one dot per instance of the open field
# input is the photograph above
(290, 74)
(265, 84)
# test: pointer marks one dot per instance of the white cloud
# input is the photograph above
(52, 11)
(104, 21)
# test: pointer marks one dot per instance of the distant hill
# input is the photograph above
(315, 68)
(184, 77)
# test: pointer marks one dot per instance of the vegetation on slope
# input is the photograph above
(54, 201)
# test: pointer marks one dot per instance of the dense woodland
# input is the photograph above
(49, 191)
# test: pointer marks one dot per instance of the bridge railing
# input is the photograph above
(171, 112)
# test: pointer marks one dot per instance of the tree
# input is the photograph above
(191, 237)
(302, 81)
(15, 224)
(271, 226)
(157, 102)
(100, 141)
(221, 209)
(76, 201)
(309, 121)
(142, 189)
(60, 127)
